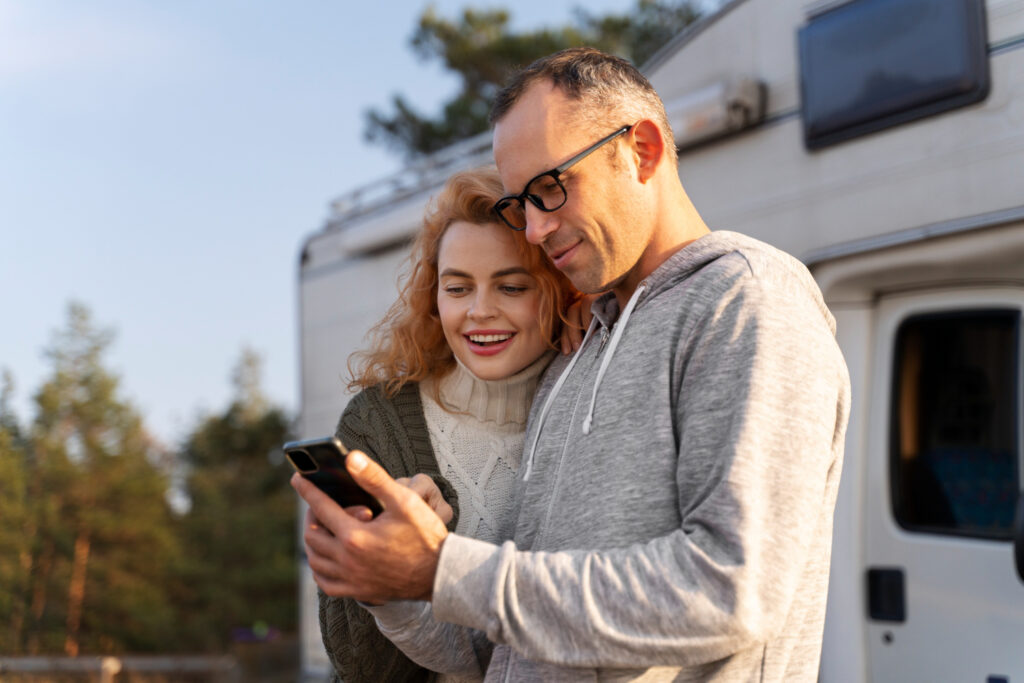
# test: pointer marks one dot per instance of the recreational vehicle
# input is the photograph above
(882, 143)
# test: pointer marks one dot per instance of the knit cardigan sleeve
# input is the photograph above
(393, 432)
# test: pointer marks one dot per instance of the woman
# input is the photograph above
(447, 386)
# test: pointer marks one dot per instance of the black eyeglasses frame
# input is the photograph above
(554, 174)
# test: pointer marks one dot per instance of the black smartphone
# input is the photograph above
(322, 461)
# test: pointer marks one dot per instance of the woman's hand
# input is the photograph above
(425, 487)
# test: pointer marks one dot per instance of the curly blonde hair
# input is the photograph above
(408, 344)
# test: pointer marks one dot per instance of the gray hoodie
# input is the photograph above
(676, 497)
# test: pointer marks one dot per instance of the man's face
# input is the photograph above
(596, 238)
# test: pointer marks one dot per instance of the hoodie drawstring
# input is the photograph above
(551, 397)
(606, 360)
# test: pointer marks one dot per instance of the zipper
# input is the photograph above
(542, 528)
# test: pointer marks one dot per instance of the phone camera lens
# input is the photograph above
(302, 461)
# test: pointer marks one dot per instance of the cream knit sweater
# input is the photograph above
(477, 434)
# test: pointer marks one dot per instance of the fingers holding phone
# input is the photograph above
(392, 557)
(322, 462)
(428, 490)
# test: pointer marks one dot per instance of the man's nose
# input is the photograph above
(539, 224)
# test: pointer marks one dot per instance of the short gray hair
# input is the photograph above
(602, 84)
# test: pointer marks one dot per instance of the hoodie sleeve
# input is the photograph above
(760, 413)
(438, 646)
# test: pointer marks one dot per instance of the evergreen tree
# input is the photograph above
(15, 531)
(92, 558)
(483, 50)
(100, 534)
(638, 34)
(239, 566)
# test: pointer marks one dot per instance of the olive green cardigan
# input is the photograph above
(393, 432)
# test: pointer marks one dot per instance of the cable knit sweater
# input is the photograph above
(472, 438)
(477, 435)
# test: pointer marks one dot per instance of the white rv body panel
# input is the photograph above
(924, 216)
(767, 185)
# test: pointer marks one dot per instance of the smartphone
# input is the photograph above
(322, 461)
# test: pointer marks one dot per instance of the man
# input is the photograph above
(680, 472)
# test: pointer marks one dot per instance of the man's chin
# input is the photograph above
(594, 284)
(586, 282)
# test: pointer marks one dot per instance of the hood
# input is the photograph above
(691, 258)
(764, 261)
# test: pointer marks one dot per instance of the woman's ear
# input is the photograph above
(649, 147)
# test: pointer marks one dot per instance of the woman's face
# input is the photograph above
(488, 302)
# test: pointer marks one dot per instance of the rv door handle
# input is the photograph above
(886, 601)
(1018, 536)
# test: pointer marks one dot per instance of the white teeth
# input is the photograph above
(485, 338)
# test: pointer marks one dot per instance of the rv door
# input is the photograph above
(945, 599)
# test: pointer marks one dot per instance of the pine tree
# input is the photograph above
(100, 530)
(16, 531)
(483, 50)
(239, 568)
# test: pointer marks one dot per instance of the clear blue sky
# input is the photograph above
(161, 162)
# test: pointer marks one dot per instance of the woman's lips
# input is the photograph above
(491, 348)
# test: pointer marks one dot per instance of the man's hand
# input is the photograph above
(392, 557)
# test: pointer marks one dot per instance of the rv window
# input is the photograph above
(873, 64)
(954, 460)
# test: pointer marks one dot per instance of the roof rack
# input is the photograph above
(420, 174)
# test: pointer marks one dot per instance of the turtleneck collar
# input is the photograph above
(502, 401)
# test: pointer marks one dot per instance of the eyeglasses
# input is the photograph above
(544, 191)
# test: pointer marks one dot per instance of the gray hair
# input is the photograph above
(603, 85)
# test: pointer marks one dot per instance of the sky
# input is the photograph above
(162, 163)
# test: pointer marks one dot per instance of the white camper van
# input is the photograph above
(882, 142)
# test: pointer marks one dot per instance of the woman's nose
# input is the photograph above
(482, 307)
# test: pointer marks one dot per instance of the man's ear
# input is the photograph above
(649, 148)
